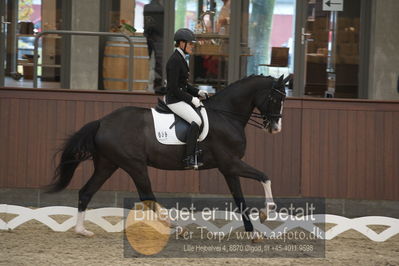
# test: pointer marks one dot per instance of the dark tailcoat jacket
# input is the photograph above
(177, 72)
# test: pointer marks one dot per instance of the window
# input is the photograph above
(146, 16)
(210, 21)
(267, 25)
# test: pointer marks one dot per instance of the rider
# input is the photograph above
(181, 97)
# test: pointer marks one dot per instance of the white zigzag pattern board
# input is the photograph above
(96, 216)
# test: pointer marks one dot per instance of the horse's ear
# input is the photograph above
(280, 80)
(287, 79)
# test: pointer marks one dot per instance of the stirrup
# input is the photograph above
(192, 162)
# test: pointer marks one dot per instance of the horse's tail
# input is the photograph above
(77, 148)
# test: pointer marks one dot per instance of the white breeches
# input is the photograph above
(185, 111)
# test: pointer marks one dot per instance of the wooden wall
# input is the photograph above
(350, 149)
(328, 148)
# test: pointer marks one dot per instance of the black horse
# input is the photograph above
(126, 139)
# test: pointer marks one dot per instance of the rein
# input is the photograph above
(253, 115)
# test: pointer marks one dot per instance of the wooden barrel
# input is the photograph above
(116, 60)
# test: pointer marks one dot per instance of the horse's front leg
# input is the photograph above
(235, 188)
(240, 168)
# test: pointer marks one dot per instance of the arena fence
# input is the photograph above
(96, 216)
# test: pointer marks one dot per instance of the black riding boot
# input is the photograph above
(191, 160)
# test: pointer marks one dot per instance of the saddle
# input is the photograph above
(170, 129)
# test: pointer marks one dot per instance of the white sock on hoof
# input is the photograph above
(269, 202)
(79, 228)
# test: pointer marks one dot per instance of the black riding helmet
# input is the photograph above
(184, 35)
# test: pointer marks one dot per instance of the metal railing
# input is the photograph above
(83, 33)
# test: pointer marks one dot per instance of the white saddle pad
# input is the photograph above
(167, 135)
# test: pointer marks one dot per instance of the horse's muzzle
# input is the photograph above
(272, 128)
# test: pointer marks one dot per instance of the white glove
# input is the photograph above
(196, 102)
(202, 93)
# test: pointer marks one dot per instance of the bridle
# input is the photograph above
(266, 117)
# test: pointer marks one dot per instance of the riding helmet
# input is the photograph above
(185, 35)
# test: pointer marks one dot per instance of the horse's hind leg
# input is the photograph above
(139, 173)
(103, 169)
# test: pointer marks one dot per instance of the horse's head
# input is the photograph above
(270, 104)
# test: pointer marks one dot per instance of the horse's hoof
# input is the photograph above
(262, 216)
(84, 232)
(166, 223)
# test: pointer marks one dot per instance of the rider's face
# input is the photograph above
(189, 47)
